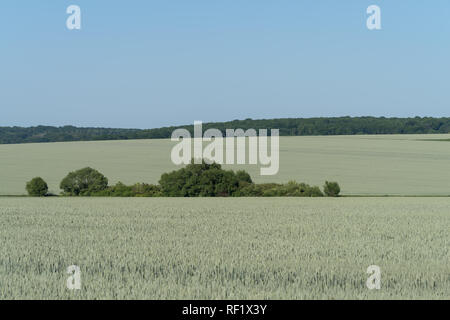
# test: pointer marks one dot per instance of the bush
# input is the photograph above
(146, 190)
(291, 189)
(37, 187)
(332, 189)
(200, 180)
(84, 182)
(243, 176)
(118, 190)
(122, 190)
(315, 192)
(258, 190)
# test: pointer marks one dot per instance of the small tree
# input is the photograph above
(331, 189)
(37, 187)
(83, 182)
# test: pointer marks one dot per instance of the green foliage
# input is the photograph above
(256, 190)
(137, 190)
(331, 189)
(37, 187)
(195, 180)
(295, 189)
(288, 127)
(146, 190)
(290, 189)
(199, 180)
(83, 182)
(210, 180)
(243, 176)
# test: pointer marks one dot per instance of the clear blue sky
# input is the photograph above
(145, 64)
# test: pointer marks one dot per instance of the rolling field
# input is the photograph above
(224, 248)
(363, 165)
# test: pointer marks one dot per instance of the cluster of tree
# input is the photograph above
(287, 126)
(10, 135)
(203, 180)
(194, 180)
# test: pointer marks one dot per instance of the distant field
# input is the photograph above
(379, 165)
(159, 248)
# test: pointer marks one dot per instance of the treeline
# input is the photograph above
(287, 126)
(195, 180)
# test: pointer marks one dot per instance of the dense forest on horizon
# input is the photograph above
(287, 126)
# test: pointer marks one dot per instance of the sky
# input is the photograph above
(146, 64)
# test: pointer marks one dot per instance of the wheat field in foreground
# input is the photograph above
(224, 248)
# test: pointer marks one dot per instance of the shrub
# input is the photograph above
(37, 187)
(200, 180)
(248, 190)
(332, 189)
(122, 190)
(243, 176)
(315, 192)
(291, 189)
(118, 190)
(146, 190)
(84, 182)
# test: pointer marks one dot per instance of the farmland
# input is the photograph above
(363, 165)
(191, 248)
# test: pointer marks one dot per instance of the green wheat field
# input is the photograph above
(363, 165)
(245, 248)
(240, 248)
